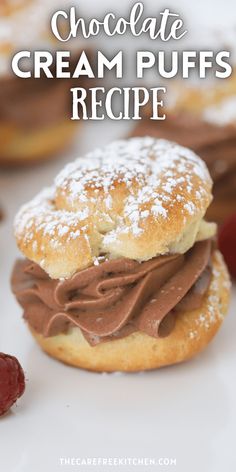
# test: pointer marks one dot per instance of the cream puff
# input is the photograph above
(120, 269)
(204, 119)
(34, 113)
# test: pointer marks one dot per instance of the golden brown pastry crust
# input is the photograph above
(135, 198)
(138, 351)
(7, 7)
(19, 147)
(196, 99)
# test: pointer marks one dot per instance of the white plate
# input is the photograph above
(186, 414)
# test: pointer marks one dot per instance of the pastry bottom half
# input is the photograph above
(20, 146)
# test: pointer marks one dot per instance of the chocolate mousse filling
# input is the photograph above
(38, 103)
(35, 103)
(115, 297)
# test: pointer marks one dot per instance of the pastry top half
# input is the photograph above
(136, 198)
(24, 23)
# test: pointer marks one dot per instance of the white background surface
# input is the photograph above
(187, 412)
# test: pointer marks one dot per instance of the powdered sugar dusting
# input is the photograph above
(155, 173)
(190, 207)
(40, 214)
(213, 310)
(222, 114)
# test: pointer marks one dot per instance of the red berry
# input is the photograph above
(12, 382)
(227, 243)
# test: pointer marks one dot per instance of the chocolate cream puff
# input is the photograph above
(120, 269)
(204, 119)
(34, 113)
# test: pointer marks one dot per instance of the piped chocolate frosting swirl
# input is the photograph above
(115, 297)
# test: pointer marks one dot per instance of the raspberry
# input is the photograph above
(227, 243)
(12, 382)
